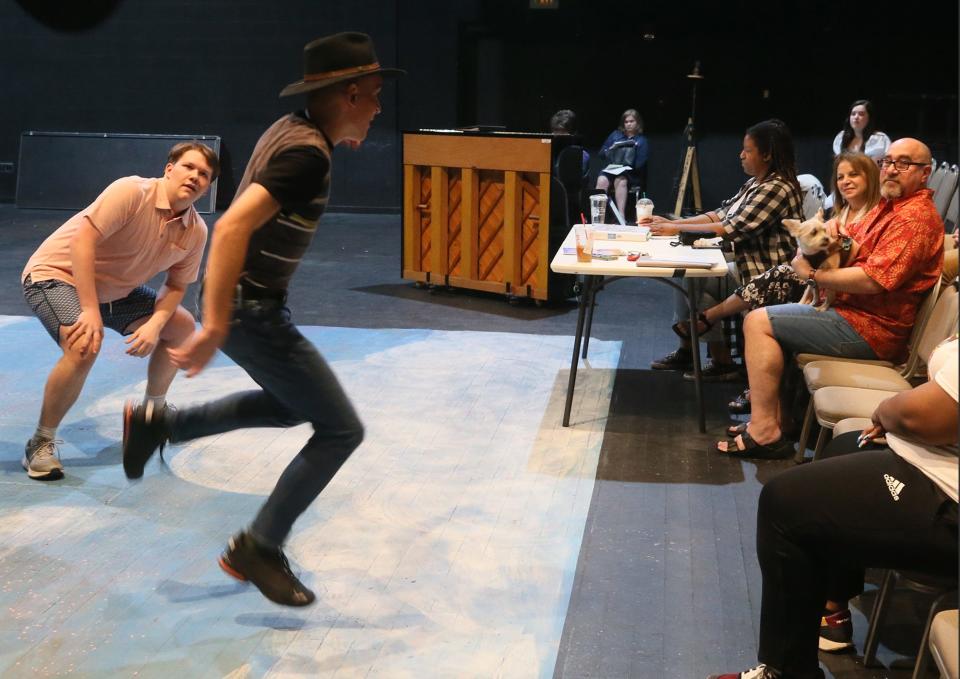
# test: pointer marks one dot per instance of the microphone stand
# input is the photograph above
(690, 172)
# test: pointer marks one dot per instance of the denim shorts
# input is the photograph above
(56, 304)
(801, 329)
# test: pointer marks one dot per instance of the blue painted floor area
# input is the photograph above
(446, 546)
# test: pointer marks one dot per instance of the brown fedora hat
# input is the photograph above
(336, 58)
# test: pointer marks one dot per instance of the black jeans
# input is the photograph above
(820, 525)
(297, 386)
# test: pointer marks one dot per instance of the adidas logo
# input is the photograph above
(893, 486)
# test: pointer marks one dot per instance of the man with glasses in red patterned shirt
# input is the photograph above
(899, 259)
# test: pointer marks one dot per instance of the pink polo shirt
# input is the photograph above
(139, 238)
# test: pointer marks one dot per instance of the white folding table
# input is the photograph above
(679, 262)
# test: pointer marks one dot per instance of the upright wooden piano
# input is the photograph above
(477, 211)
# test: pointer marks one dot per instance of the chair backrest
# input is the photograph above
(946, 189)
(950, 217)
(941, 324)
(570, 173)
(813, 194)
(933, 181)
(570, 165)
(943, 642)
(560, 209)
(924, 311)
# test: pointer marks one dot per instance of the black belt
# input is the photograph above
(251, 292)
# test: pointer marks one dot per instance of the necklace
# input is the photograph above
(846, 218)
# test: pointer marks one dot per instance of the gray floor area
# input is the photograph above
(667, 583)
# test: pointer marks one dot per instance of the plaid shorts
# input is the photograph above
(56, 303)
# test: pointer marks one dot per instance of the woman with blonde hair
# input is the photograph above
(852, 199)
(625, 154)
(856, 191)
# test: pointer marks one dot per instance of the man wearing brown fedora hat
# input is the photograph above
(256, 247)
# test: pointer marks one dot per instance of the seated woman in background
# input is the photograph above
(821, 524)
(753, 222)
(625, 154)
(860, 133)
(856, 191)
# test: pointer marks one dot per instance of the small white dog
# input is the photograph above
(822, 250)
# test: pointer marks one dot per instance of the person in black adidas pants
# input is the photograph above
(820, 525)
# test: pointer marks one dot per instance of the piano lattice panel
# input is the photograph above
(425, 241)
(530, 228)
(490, 227)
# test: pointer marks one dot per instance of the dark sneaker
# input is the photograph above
(41, 460)
(717, 372)
(266, 568)
(836, 632)
(144, 430)
(681, 359)
(758, 672)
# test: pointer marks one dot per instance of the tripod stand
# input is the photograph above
(689, 170)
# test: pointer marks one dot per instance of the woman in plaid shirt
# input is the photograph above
(752, 221)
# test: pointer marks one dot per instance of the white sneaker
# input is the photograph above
(758, 672)
(41, 459)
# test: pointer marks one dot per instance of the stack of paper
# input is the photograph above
(680, 262)
(620, 232)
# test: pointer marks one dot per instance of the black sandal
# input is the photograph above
(701, 318)
(778, 450)
(741, 404)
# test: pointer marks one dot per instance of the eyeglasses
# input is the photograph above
(899, 163)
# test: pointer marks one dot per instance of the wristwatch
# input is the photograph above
(812, 276)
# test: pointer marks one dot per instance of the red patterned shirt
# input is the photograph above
(901, 248)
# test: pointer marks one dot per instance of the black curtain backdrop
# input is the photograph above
(215, 67)
(803, 62)
(185, 67)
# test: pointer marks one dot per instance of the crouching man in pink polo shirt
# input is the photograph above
(90, 272)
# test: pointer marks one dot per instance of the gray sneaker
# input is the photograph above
(42, 460)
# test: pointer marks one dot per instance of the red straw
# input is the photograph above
(583, 219)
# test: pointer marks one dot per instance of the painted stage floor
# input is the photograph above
(445, 547)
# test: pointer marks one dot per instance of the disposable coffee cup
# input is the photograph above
(644, 208)
(598, 208)
(584, 237)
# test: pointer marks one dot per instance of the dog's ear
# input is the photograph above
(793, 226)
(820, 215)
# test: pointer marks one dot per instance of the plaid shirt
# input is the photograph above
(755, 225)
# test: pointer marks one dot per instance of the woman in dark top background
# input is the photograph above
(625, 156)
